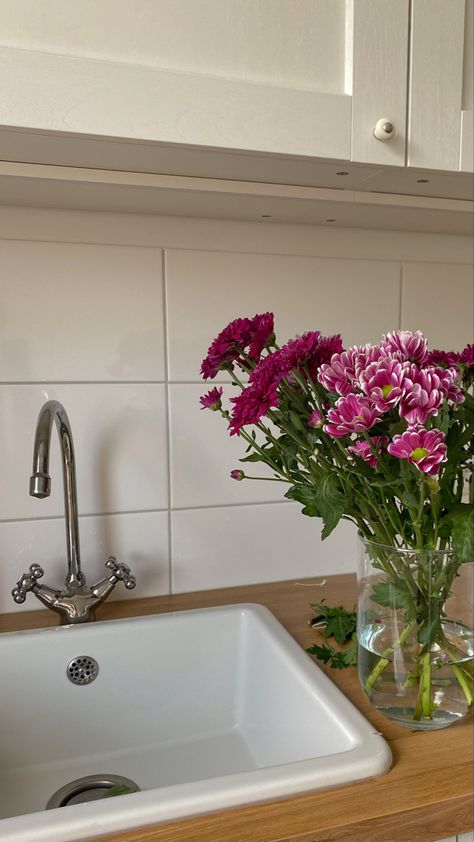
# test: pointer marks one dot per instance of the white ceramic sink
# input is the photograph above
(203, 709)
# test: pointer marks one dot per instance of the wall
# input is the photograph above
(112, 314)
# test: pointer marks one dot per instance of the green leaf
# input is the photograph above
(336, 658)
(338, 622)
(330, 502)
(254, 457)
(463, 533)
(391, 595)
(409, 499)
(304, 494)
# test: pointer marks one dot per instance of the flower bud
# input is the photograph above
(237, 474)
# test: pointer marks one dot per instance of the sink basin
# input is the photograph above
(203, 709)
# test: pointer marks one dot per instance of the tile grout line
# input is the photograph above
(330, 255)
(169, 510)
(400, 295)
(167, 416)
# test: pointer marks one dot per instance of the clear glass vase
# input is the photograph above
(414, 632)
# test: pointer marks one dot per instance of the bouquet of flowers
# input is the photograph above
(380, 435)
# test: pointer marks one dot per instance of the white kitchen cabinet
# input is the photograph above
(440, 111)
(263, 88)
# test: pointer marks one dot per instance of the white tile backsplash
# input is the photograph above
(140, 540)
(82, 321)
(206, 290)
(238, 545)
(119, 435)
(202, 455)
(80, 312)
(438, 300)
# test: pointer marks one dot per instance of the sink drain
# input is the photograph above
(90, 788)
(83, 669)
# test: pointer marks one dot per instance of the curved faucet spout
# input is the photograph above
(40, 480)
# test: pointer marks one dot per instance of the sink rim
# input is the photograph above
(183, 800)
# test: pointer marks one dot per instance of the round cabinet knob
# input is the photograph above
(384, 129)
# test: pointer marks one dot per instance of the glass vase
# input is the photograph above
(414, 633)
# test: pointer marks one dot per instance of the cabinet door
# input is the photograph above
(379, 79)
(256, 75)
(440, 85)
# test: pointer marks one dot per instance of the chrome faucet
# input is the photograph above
(76, 603)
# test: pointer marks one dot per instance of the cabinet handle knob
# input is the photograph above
(384, 129)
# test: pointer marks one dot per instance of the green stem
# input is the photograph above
(384, 659)
(463, 682)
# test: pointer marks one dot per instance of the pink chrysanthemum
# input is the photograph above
(424, 393)
(384, 382)
(339, 374)
(426, 449)
(467, 356)
(445, 359)
(262, 333)
(315, 419)
(366, 452)
(226, 347)
(351, 414)
(413, 346)
(342, 373)
(212, 400)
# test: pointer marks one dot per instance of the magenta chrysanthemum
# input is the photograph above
(366, 452)
(426, 449)
(309, 352)
(262, 333)
(260, 396)
(413, 346)
(226, 348)
(446, 359)
(212, 400)
(466, 356)
(424, 393)
(351, 414)
(384, 382)
(299, 351)
(315, 419)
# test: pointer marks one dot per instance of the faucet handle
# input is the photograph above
(120, 572)
(26, 583)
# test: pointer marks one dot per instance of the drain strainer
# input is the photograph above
(90, 788)
(82, 670)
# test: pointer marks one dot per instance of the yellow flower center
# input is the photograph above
(386, 390)
(419, 453)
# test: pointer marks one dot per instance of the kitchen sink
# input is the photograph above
(203, 710)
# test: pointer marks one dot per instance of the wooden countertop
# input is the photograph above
(426, 796)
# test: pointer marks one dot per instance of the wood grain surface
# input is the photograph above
(426, 795)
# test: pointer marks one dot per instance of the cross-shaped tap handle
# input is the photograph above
(26, 583)
(120, 572)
